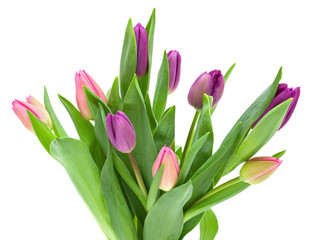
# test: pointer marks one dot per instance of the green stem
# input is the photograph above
(138, 174)
(189, 138)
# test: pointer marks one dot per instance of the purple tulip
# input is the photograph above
(142, 49)
(121, 132)
(283, 93)
(174, 60)
(211, 83)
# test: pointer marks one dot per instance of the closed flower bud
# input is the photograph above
(84, 79)
(283, 93)
(174, 60)
(20, 108)
(142, 49)
(258, 169)
(121, 132)
(171, 168)
(211, 83)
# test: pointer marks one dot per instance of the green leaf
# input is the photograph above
(75, 156)
(127, 177)
(57, 127)
(161, 91)
(152, 119)
(190, 157)
(208, 226)
(93, 102)
(279, 154)
(164, 133)
(204, 177)
(42, 131)
(145, 151)
(113, 98)
(145, 80)
(190, 224)
(228, 73)
(214, 199)
(152, 195)
(100, 130)
(178, 150)
(85, 131)
(120, 216)
(128, 62)
(204, 126)
(259, 135)
(169, 208)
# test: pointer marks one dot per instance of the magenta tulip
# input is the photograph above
(142, 50)
(174, 60)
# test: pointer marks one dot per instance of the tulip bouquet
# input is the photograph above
(134, 178)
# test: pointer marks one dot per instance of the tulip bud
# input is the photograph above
(171, 168)
(20, 108)
(211, 83)
(174, 60)
(142, 50)
(283, 93)
(121, 132)
(84, 79)
(258, 169)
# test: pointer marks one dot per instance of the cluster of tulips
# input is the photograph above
(142, 182)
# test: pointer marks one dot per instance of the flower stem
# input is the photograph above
(138, 174)
(189, 138)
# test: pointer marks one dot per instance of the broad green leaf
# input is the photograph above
(204, 177)
(152, 195)
(120, 216)
(85, 131)
(279, 154)
(128, 62)
(100, 130)
(152, 119)
(113, 98)
(259, 135)
(190, 157)
(214, 199)
(75, 156)
(57, 127)
(127, 177)
(42, 131)
(208, 226)
(93, 102)
(165, 219)
(145, 80)
(204, 126)
(145, 151)
(162, 86)
(164, 133)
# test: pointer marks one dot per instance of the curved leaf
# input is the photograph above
(208, 226)
(152, 119)
(93, 102)
(113, 98)
(169, 208)
(75, 156)
(154, 187)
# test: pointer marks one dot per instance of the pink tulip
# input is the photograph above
(258, 169)
(84, 79)
(20, 108)
(171, 168)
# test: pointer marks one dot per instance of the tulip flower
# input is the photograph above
(171, 168)
(258, 169)
(283, 93)
(84, 79)
(211, 83)
(20, 108)
(121, 132)
(142, 50)
(174, 60)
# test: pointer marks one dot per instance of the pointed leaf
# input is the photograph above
(120, 216)
(113, 98)
(93, 102)
(169, 207)
(208, 226)
(154, 187)
(161, 91)
(279, 154)
(152, 119)
(228, 73)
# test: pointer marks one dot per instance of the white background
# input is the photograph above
(45, 42)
